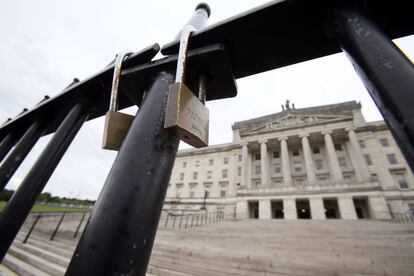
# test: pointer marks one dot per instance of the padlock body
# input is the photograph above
(186, 116)
(116, 128)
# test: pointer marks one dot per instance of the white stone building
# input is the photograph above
(319, 162)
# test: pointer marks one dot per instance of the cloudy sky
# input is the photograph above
(46, 43)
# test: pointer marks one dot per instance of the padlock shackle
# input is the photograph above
(182, 54)
(120, 57)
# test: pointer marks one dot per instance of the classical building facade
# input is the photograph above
(316, 163)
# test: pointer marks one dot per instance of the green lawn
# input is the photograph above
(47, 208)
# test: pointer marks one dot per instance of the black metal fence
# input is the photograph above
(190, 220)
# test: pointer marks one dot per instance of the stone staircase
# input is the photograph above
(250, 247)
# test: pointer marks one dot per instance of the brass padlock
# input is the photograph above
(186, 115)
(117, 124)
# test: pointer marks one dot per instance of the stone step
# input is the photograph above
(42, 253)
(48, 247)
(36, 261)
(4, 271)
(21, 267)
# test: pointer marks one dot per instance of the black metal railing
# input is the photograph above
(49, 223)
(194, 219)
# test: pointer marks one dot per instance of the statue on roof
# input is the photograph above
(287, 105)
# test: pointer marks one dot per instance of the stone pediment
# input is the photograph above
(293, 120)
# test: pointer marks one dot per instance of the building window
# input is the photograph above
(184, 164)
(207, 193)
(276, 154)
(195, 175)
(258, 170)
(402, 181)
(192, 194)
(223, 191)
(297, 167)
(257, 156)
(239, 171)
(224, 173)
(240, 158)
(277, 168)
(211, 162)
(391, 159)
(295, 152)
(322, 178)
(338, 147)
(384, 142)
(319, 164)
(362, 144)
(368, 159)
(225, 160)
(316, 150)
(181, 176)
(209, 174)
(197, 163)
(374, 177)
(342, 162)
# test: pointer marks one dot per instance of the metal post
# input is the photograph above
(385, 71)
(79, 226)
(20, 151)
(181, 219)
(192, 219)
(166, 221)
(186, 221)
(31, 228)
(57, 227)
(173, 226)
(24, 198)
(197, 220)
(121, 232)
(5, 145)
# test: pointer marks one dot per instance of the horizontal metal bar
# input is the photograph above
(96, 88)
(283, 33)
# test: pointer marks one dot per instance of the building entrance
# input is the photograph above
(303, 209)
(361, 208)
(331, 208)
(253, 209)
(277, 210)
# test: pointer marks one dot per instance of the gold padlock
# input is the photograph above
(187, 116)
(117, 124)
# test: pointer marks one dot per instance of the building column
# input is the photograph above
(361, 167)
(378, 207)
(317, 208)
(245, 165)
(289, 208)
(307, 154)
(265, 209)
(347, 207)
(264, 163)
(287, 177)
(380, 163)
(332, 157)
(242, 211)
